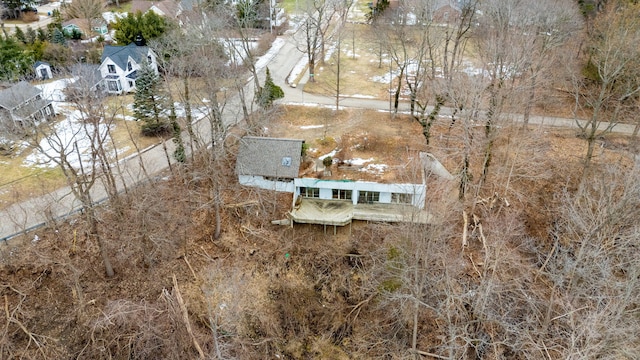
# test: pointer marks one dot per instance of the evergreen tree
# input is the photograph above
(31, 35)
(42, 35)
(149, 102)
(178, 153)
(19, 35)
(149, 25)
(14, 61)
(58, 37)
(269, 92)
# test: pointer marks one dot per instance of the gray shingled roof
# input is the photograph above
(17, 95)
(269, 157)
(120, 54)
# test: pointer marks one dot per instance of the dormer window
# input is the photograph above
(111, 69)
(149, 59)
(129, 66)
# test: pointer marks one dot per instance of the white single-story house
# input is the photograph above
(120, 64)
(42, 70)
(274, 164)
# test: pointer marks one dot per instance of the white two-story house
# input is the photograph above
(120, 65)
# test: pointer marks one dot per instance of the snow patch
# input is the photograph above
(332, 154)
(357, 161)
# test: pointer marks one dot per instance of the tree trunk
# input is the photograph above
(218, 230)
(189, 119)
(529, 104)
(396, 100)
(312, 70)
(94, 235)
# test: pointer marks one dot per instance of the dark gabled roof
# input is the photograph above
(87, 75)
(269, 157)
(38, 63)
(17, 95)
(120, 54)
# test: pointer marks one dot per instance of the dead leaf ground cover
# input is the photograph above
(297, 292)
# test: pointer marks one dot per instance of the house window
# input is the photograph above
(38, 97)
(47, 110)
(131, 85)
(113, 86)
(111, 69)
(342, 194)
(129, 66)
(149, 59)
(397, 198)
(286, 161)
(310, 192)
(368, 197)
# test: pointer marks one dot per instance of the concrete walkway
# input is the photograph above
(33, 213)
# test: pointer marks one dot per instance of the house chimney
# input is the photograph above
(139, 41)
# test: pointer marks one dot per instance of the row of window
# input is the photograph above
(365, 197)
(112, 68)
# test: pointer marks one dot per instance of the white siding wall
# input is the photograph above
(417, 191)
(262, 183)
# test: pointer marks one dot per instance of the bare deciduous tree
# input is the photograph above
(319, 15)
(611, 70)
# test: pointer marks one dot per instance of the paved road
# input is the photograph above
(45, 19)
(33, 213)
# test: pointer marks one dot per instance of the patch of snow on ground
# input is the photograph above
(297, 70)
(375, 168)
(112, 17)
(305, 127)
(125, 117)
(72, 138)
(386, 78)
(351, 54)
(54, 90)
(357, 161)
(332, 154)
(360, 96)
(273, 51)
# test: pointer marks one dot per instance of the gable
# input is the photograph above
(120, 55)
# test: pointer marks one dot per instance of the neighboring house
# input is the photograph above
(23, 104)
(99, 27)
(42, 70)
(269, 163)
(88, 83)
(165, 8)
(274, 164)
(446, 11)
(120, 64)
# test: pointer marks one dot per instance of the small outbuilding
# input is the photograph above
(42, 70)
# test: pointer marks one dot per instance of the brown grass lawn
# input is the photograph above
(359, 69)
(19, 182)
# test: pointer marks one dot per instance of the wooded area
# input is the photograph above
(534, 254)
